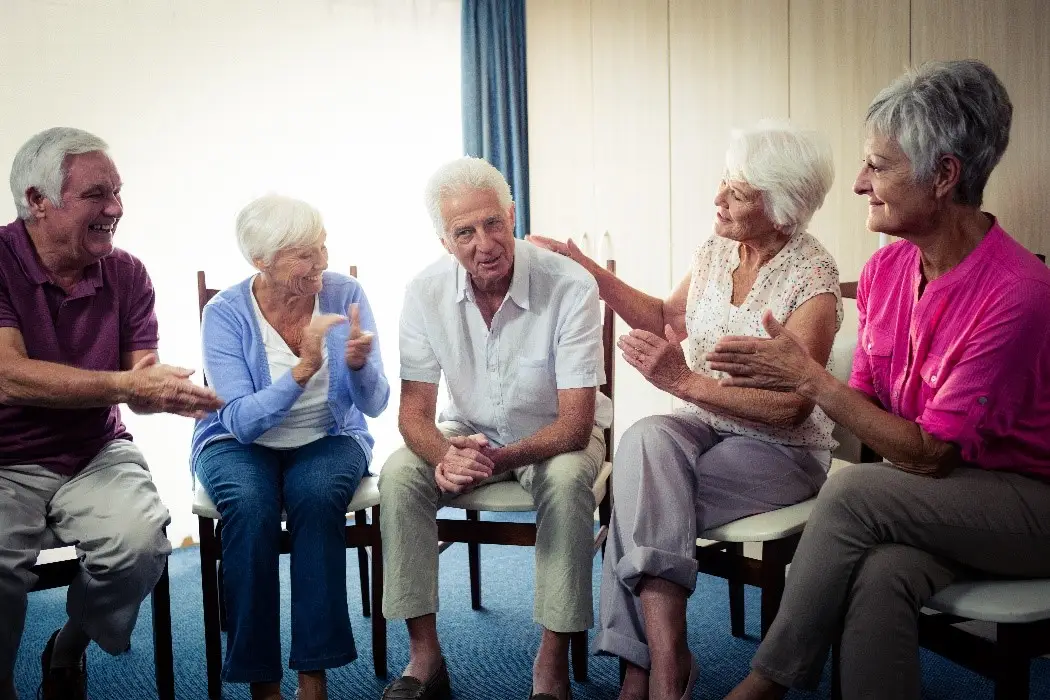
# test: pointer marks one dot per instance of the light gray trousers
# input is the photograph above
(112, 513)
(675, 477)
(879, 544)
(561, 488)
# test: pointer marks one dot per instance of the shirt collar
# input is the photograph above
(519, 283)
(30, 263)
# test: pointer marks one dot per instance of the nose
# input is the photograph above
(862, 185)
(114, 207)
(720, 195)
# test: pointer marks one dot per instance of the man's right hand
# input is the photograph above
(152, 387)
(464, 465)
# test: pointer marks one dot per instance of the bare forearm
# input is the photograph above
(636, 308)
(756, 405)
(896, 439)
(422, 437)
(561, 436)
(26, 382)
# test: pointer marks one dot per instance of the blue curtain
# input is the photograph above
(495, 114)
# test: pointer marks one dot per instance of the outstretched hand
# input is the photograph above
(153, 387)
(777, 363)
(569, 249)
(660, 360)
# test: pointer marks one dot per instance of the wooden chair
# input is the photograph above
(720, 550)
(362, 535)
(509, 496)
(61, 572)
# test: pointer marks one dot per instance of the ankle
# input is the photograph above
(266, 691)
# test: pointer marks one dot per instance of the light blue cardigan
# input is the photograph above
(236, 367)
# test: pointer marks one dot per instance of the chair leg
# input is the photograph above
(378, 620)
(1012, 665)
(836, 665)
(474, 562)
(578, 655)
(362, 565)
(210, 550)
(163, 658)
(776, 555)
(736, 595)
(222, 584)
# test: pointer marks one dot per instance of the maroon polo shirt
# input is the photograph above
(108, 312)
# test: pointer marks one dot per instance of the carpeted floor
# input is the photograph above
(489, 651)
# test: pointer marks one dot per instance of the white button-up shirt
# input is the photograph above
(503, 381)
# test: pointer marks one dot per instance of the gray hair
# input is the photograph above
(459, 175)
(792, 168)
(274, 222)
(40, 164)
(954, 107)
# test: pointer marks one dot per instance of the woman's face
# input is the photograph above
(896, 203)
(298, 268)
(741, 214)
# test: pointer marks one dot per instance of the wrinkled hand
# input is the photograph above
(465, 464)
(569, 249)
(660, 360)
(152, 387)
(360, 343)
(777, 363)
(313, 338)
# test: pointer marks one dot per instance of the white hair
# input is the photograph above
(793, 169)
(41, 164)
(274, 222)
(459, 175)
(954, 107)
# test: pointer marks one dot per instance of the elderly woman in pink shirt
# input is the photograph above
(951, 385)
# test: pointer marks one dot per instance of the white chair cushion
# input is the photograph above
(366, 496)
(996, 601)
(773, 525)
(510, 497)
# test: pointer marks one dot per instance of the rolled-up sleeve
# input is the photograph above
(860, 377)
(419, 362)
(578, 356)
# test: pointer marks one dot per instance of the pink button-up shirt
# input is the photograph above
(969, 360)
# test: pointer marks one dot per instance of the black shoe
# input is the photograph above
(437, 687)
(61, 683)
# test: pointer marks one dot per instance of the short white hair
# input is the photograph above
(792, 167)
(461, 175)
(272, 223)
(41, 164)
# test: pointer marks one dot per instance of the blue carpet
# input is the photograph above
(489, 651)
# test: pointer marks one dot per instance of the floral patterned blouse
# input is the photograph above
(801, 270)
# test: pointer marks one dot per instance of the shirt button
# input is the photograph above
(933, 378)
(982, 400)
(869, 346)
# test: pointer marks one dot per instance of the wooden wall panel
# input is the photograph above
(561, 119)
(842, 54)
(1011, 37)
(729, 68)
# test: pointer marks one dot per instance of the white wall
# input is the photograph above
(349, 104)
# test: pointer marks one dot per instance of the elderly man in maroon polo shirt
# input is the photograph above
(78, 336)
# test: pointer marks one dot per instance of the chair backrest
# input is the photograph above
(609, 358)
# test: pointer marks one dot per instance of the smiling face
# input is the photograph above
(298, 269)
(480, 234)
(81, 230)
(741, 214)
(897, 204)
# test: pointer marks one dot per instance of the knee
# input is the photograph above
(250, 500)
(566, 486)
(647, 432)
(320, 495)
(139, 541)
(402, 473)
(850, 486)
(892, 572)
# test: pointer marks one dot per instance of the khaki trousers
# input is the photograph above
(561, 489)
(113, 514)
(879, 544)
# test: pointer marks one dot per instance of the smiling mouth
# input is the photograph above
(103, 228)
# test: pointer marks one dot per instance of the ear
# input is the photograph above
(259, 264)
(947, 175)
(445, 245)
(38, 203)
(511, 216)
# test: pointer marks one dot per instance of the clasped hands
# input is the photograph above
(470, 459)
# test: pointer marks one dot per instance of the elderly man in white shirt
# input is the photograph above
(516, 330)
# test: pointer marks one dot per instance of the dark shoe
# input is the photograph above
(61, 683)
(548, 696)
(437, 687)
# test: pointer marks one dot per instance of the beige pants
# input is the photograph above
(561, 489)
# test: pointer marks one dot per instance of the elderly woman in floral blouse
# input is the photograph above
(730, 452)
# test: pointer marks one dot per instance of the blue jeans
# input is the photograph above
(250, 485)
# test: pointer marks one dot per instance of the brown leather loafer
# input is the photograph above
(61, 683)
(437, 687)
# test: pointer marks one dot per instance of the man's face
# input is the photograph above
(480, 233)
(86, 222)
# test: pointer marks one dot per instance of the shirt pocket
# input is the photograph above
(535, 386)
(932, 379)
(878, 344)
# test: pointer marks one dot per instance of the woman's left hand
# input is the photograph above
(777, 363)
(360, 342)
(660, 360)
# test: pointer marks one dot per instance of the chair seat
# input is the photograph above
(510, 497)
(774, 525)
(366, 496)
(996, 601)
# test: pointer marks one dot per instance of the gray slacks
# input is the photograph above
(675, 477)
(112, 513)
(561, 488)
(880, 542)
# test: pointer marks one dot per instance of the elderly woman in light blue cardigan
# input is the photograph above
(293, 352)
